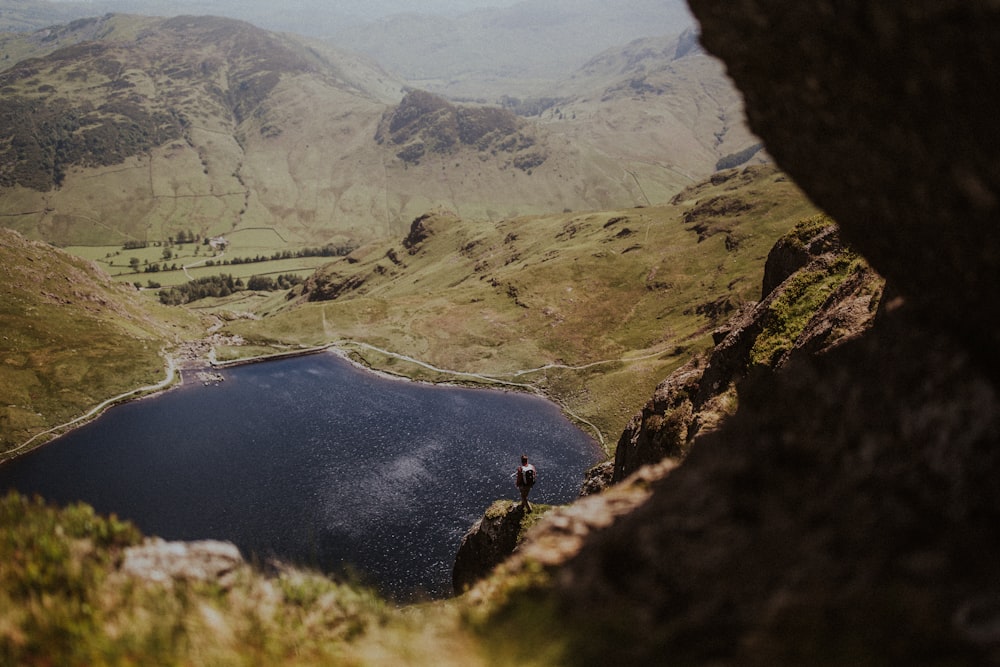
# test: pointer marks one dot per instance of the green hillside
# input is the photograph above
(71, 338)
(592, 309)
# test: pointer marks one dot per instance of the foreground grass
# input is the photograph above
(63, 601)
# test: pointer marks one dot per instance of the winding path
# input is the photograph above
(200, 262)
(159, 386)
(495, 379)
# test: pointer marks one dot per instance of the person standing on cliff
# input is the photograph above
(526, 475)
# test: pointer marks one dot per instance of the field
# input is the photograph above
(177, 263)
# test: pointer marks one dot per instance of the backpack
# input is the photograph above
(529, 476)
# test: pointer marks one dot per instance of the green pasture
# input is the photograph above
(117, 260)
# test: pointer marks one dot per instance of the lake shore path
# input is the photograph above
(171, 375)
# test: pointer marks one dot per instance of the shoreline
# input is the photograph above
(175, 378)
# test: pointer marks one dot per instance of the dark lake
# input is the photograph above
(316, 462)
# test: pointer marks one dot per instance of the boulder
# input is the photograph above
(158, 561)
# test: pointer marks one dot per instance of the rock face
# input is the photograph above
(879, 112)
(424, 124)
(419, 232)
(486, 545)
(816, 296)
(849, 512)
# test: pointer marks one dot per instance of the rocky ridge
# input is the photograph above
(810, 272)
(816, 294)
(423, 123)
(847, 513)
(487, 543)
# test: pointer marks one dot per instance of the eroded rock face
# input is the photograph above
(847, 514)
(490, 540)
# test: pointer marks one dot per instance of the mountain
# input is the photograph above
(199, 122)
(515, 50)
(660, 106)
(304, 17)
(133, 129)
(27, 15)
(490, 51)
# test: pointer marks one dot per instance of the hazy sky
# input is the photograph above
(362, 8)
(383, 7)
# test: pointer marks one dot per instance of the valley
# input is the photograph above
(272, 184)
(590, 310)
(176, 126)
(799, 454)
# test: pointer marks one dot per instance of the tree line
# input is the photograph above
(224, 285)
(329, 250)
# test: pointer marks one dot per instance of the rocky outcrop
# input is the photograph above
(327, 284)
(490, 540)
(847, 514)
(879, 112)
(424, 123)
(161, 562)
(598, 478)
(420, 231)
(817, 294)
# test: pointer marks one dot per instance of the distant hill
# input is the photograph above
(661, 106)
(173, 122)
(27, 15)
(128, 128)
(516, 50)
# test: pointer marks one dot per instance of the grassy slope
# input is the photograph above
(71, 338)
(632, 292)
(660, 106)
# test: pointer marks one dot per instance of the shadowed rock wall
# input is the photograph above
(883, 113)
(849, 513)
